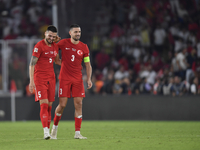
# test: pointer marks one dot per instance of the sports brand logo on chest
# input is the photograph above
(50, 52)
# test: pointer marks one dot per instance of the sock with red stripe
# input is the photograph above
(44, 114)
(78, 121)
(57, 118)
(49, 116)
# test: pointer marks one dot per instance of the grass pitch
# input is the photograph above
(103, 135)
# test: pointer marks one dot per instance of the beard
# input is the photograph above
(76, 38)
(48, 41)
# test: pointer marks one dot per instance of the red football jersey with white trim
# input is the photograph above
(44, 70)
(72, 57)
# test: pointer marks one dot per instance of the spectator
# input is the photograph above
(182, 63)
(194, 88)
(33, 12)
(11, 35)
(121, 73)
(159, 39)
(178, 88)
(101, 59)
(136, 86)
(108, 84)
(196, 67)
(156, 86)
(191, 57)
(167, 87)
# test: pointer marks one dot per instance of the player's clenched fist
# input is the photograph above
(89, 84)
(31, 87)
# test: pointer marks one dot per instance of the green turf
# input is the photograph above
(103, 135)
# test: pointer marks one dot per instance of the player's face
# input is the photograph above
(75, 33)
(50, 36)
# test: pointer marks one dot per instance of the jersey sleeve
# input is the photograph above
(60, 43)
(57, 48)
(37, 50)
(86, 52)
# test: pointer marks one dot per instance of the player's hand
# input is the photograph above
(31, 87)
(89, 84)
(57, 39)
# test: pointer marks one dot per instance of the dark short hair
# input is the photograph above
(52, 28)
(74, 26)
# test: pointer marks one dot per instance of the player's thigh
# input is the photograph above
(41, 91)
(78, 89)
(64, 88)
(51, 90)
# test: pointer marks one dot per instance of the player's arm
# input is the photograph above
(88, 71)
(31, 72)
(57, 39)
(57, 60)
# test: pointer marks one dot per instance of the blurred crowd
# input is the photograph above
(24, 19)
(146, 47)
(137, 47)
(21, 19)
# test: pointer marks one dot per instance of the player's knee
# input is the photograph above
(62, 105)
(79, 104)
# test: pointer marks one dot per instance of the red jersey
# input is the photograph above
(72, 57)
(44, 70)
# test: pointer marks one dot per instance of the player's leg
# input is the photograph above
(64, 93)
(78, 93)
(41, 96)
(49, 113)
(78, 117)
(58, 113)
(44, 117)
(51, 98)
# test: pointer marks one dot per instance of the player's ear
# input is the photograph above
(45, 33)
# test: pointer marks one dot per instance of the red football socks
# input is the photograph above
(49, 116)
(57, 118)
(77, 123)
(44, 114)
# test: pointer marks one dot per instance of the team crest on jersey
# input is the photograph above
(36, 50)
(80, 52)
(55, 53)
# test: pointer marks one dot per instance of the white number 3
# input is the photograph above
(60, 91)
(73, 57)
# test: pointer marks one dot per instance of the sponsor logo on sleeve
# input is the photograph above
(36, 50)
(67, 48)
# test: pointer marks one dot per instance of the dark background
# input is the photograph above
(114, 107)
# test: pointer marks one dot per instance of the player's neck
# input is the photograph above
(74, 42)
(47, 43)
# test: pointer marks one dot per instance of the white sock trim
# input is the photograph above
(57, 114)
(77, 132)
(46, 129)
(80, 116)
(55, 127)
